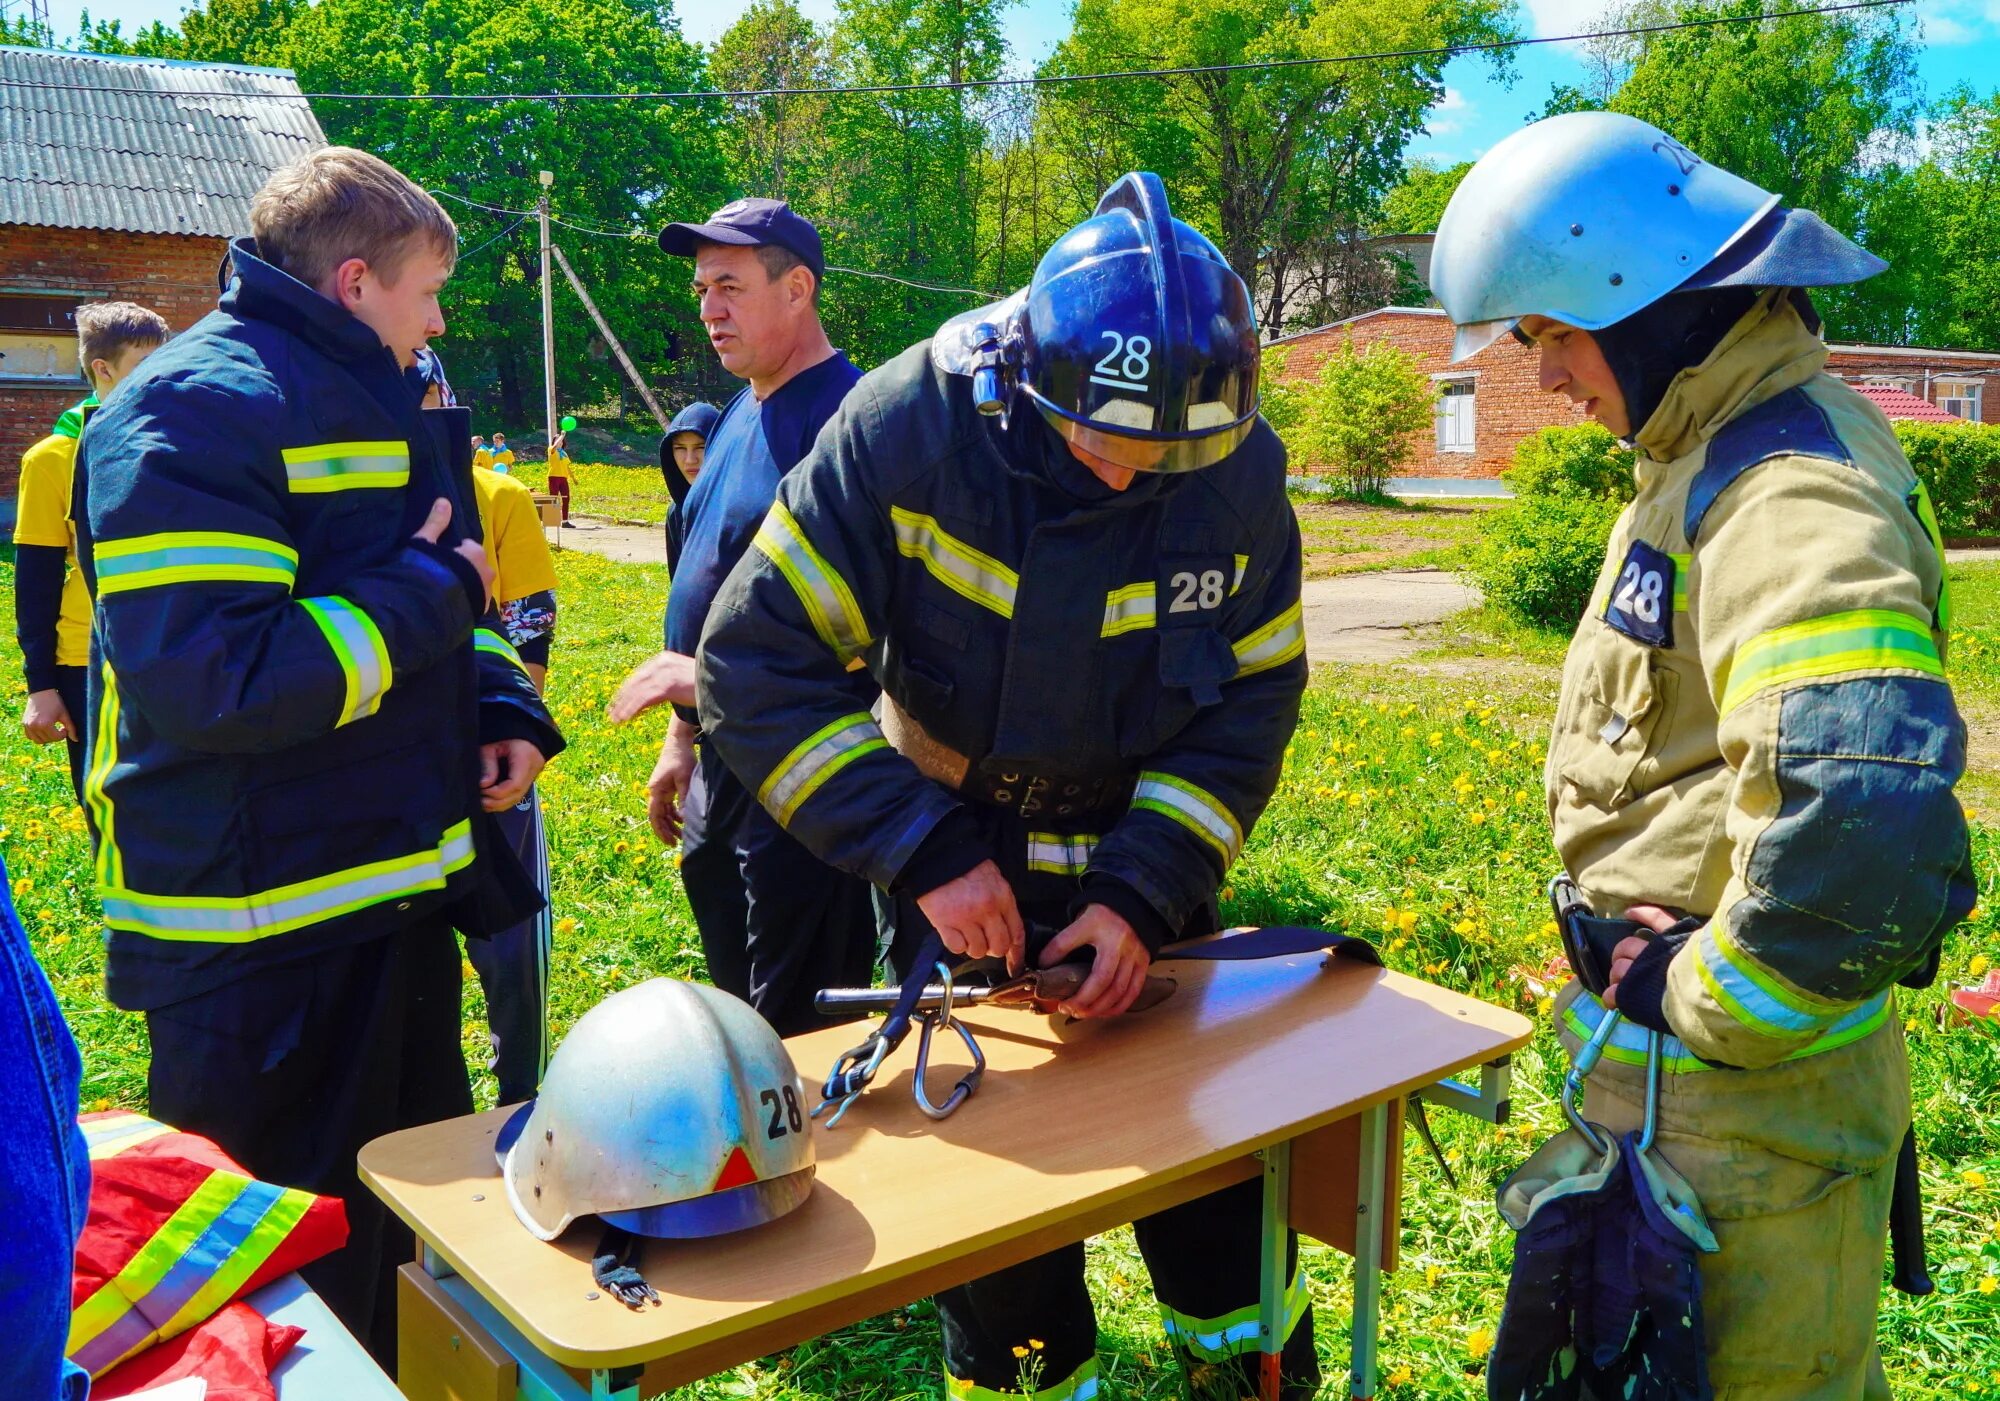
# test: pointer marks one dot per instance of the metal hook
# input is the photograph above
(967, 1082)
(1587, 1057)
(851, 1075)
(1654, 1055)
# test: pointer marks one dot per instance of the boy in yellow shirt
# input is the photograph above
(503, 456)
(51, 606)
(513, 965)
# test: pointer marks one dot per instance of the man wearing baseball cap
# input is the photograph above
(776, 923)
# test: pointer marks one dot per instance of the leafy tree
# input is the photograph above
(1417, 203)
(773, 45)
(1357, 416)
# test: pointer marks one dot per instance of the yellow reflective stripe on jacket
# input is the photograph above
(825, 596)
(816, 759)
(1866, 639)
(1194, 808)
(1242, 568)
(1927, 515)
(112, 1134)
(327, 467)
(1682, 563)
(1060, 854)
(191, 557)
(104, 758)
(955, 564)
(1627, 1045)
(487, 640)
(1129, 609)
(1080, 1385)
(1751, 995)
(199, 1258)
(1228, 1335)
(242, 919)
(358, 647)
(1273, 644)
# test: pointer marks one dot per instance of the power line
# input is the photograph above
(493, 240)
(920, 286)
(969, 84)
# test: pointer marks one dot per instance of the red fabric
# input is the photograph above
(235, 1352)
(133, 1193)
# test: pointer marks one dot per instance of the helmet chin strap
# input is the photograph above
(1652, 345)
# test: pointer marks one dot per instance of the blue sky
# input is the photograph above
(1961, 45)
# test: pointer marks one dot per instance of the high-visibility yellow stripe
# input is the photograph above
(103, 759)
(358, 647)
(814, 760)
(955, 564)
(1060, 854)
(1927, 515)
(242, 919)
(1228, 1335)
(491, 642)
(1194, 808)
(113, 1134)
(1273, 644)
(191, 557)
(1866, 639)
(325, 467)
(825, 596)
(1682, 563)
(1080, 1385)
(1750, 994)
(1129, 609)
(1628, 1041)
(1242, 568)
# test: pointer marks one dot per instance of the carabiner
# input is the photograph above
(1654, 1055)
(851, 1075)
(967, 1082)
(1587, 1057)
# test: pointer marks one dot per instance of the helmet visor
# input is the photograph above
(1468, 340)
(1164, 455)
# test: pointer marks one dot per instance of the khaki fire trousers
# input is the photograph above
(1794, 1166)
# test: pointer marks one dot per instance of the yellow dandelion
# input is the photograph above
(1407, 921)
(1354, 800)
(1436, 738)
(566, 925)
(1980, 963)
(1464, 926)
(1400, 1377)
(1432, 1274)
(1479, 1342)
(1988, 1284)
(1545, 1006)
(1910, 1026)
(1475, 818)
(1408, 732)
(1397, 945)
(620, 848)
(1226, 893)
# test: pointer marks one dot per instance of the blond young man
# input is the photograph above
(303, 712)
(51, 608)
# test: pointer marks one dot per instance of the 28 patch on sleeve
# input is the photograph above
(1642, 600)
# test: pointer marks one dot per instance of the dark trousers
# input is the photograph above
(777, 923)
(70, 687)
(513, 967)
(1204, 1256)
(293, 1069)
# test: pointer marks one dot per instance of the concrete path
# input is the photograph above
(1352, 618)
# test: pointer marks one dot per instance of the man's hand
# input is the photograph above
(1655, 919)
(507, 770)
(667, 677)
(46, 718)
(432, 530)
(1117, 973)
(976, 916)
(667, 789)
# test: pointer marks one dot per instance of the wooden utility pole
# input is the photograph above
(548, 178)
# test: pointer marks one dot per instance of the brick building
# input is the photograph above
(1492, 401)
(121, 179)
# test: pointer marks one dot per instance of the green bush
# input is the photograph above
(1538, 557)
(1581, 461)
(1960, 465)
(1356, 418)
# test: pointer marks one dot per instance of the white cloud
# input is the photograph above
(1564, 16)
(1961, 21)
(1448, 114)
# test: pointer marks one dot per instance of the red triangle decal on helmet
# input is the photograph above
(736, 1172)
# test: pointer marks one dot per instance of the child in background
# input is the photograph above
(482, 455)
(559, 468)
(503, 456)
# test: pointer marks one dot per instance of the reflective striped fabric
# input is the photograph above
(1627, 1045)
(191, 557)
(1920, 502)
(1682, 563)
(1752, 995)
(324, 467)
(1866, 639)
(242, 919)
(191, 1267)
(1194, 808)
(1080, 1385)
(1273, 644)
(955, 564)
(1242, 568)
(487, 640)
(111, 1134)
(1129, 609)
(103, 759)
(817, 758)
(825, 596)
(1219, 1339)
(1060, 854)
(358, 647)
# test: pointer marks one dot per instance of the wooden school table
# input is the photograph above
(1292, 1069)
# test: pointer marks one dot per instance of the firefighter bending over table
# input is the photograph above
(1057, 535)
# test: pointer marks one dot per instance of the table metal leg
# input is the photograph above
(1271, 1288)
(1371, 1192)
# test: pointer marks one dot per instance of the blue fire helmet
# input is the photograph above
(1136, 341)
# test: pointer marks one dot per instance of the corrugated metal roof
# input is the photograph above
(143, 145)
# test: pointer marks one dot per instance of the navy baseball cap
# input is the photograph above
(750, 223)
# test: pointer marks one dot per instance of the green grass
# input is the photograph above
(1349, 537)
(1410, 811)
(635, 495)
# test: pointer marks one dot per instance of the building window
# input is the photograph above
(1457, 407)
(38, 336)
(1959, 396)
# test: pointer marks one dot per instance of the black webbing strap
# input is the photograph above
(1273, 941)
